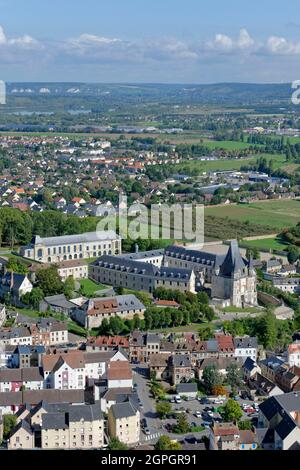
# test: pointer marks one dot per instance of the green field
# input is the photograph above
(228, 164)
(89, 288)
(277, 214)
(266, 244)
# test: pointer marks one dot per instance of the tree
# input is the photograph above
(234, 375)
(182, 426)
(203, 298)
(219, 390)
(252, 252)
(163, 409)
(231, 411)
(33, 298)
(206, 333)
(245, 425)
(165, 443)
(116, 444)
(211, 378)
(49, 281)
(292, 254)
(69, 287)
(9, 423)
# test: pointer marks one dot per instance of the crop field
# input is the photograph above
(277, 214)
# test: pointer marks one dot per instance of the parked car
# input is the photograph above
(144, 423)
(210, 413)
(205, 424)
(178, 399)
(198, 414)
(147, 431)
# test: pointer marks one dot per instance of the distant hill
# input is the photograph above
(237, 94)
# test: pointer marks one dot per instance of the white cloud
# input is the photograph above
(25, 41)
(224, 43)
(281, 46)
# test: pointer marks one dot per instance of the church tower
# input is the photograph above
(234, 281)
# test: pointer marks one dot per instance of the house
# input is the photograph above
(159, 366)
(250, 369)
(262, 386)
(224, 436)
(107, 343)
(124, 423)
(93, 311)
(280, 414)
(57, 304)
(227, 436)
(269, 367)
(15, 286)
(293, 353)
(15, 336)
(142, 346)
(245, 347)
(11, 402)
(119, 374)
(14, 380)
(273, 266)
(181, 369)
(189, 390)
(80, 427)
(225, 345)
(21, 437)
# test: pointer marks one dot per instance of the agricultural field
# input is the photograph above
(277, 214)
(199, 166)
(266, 244)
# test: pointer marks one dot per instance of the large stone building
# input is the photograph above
(71, 247)
(93, 311)
(124, 423)
(123, 272)
(234, 281)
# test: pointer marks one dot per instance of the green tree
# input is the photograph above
(33, 298)
(234, 375)
(182, 426)
(69, 287)
(163, 409)
(231, 411)
(49, 281)
(292, 254)
(116, 444)
(165, 443)
(211, 378)
(9, 423)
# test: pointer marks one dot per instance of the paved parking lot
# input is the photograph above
(158, 427)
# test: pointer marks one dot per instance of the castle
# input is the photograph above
(234, 280)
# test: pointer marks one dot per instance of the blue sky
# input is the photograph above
(187, 41)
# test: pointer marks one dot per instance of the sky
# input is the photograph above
(150, 41)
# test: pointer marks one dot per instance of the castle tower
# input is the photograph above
(234, 281)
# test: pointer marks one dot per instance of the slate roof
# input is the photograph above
(181, 361)
(143, 254)
(118, 263)
(187, 388)
(59, 301)
(195, 256)
(245, 342)
(54, 421)
(80, 238)
(123, 410)
(233, 261)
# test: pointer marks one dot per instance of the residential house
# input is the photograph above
(281, 415)
(181, 369)
(124, 423)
